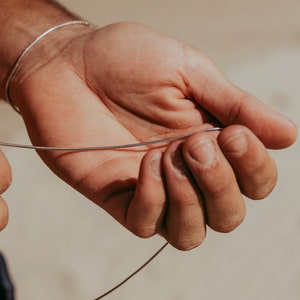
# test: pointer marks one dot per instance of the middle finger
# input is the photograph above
(224, 204)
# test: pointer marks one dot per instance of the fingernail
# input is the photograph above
(178, 163)
(237, 144)
(204, 153)
(155, 164)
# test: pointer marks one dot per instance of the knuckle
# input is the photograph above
(186, 200)
(223, 187)
(235, 112)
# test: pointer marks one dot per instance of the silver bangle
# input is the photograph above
(27, 49)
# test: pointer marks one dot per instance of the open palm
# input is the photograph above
(127, 83)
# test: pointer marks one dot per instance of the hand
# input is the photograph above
(127, 83)
(5, 180)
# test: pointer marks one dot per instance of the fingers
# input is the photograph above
(5, 173)
(146, 209)
(231, 105)
(167, 201)
(255, 170)
(5, 180)
(185, 219)
(197, 182)
(3, 214)
(224, 205)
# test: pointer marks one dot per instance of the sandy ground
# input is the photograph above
(60, 246)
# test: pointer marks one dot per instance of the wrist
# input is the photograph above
(20, 23)
(48, 45)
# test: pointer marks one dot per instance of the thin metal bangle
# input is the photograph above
(27, 49)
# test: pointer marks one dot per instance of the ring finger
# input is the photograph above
(185, 220)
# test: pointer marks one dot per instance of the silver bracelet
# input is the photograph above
(27, 49)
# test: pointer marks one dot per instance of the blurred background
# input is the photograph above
(61, 246)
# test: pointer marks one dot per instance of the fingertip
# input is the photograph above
(146, 209)
(5, 173)
(3, 214)
(254, 168)
(292, 134)
(229, 224)
(187, 244)
(278, 133)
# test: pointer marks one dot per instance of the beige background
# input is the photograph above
(60, 246)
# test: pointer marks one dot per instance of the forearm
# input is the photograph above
(20, 22)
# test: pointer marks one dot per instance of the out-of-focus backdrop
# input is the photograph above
(60, 246)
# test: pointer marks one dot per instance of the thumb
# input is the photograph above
(231, 105)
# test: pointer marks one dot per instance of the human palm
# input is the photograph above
(126, 83)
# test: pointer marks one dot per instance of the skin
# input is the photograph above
(5, 180)
(126, 83)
